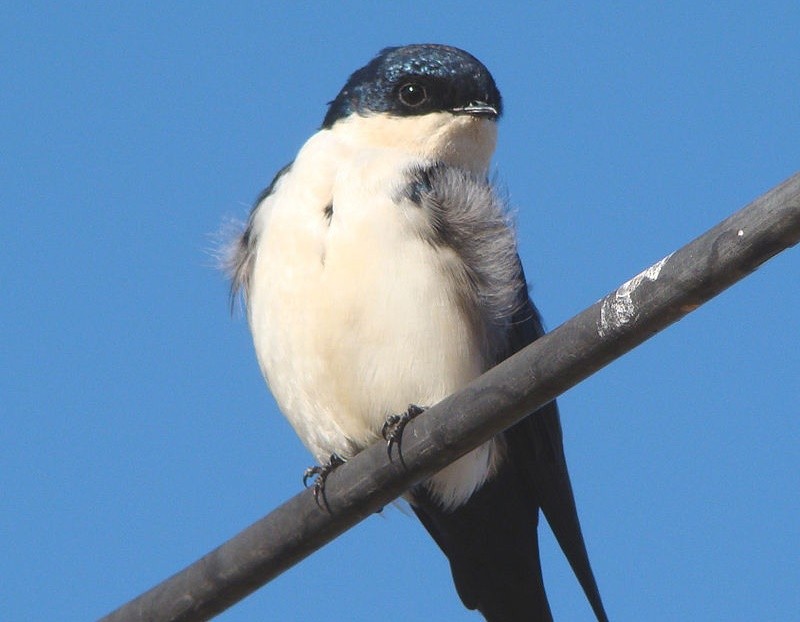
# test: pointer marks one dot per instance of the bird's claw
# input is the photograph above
(321, 473)
(394, 425)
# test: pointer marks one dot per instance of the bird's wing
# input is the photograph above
(535, 445)
(239, 256)
(492, 540)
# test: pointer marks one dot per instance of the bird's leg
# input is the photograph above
(321, 473)
(392, 430)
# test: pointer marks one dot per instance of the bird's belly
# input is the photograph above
(407, 338)
(358, 339)
(364, 329)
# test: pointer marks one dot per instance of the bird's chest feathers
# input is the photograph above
(374, 318)
(407, 333)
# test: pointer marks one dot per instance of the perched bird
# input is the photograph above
(380, 269)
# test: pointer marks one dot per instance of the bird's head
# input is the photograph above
(435, 100)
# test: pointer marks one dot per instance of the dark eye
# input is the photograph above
(412, 94)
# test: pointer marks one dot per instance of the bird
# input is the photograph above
(380, 273)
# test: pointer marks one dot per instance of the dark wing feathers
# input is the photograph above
(536, 444)
(238, 258)
(491, 541)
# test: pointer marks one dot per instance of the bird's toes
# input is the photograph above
(392, 430)
(321, 473)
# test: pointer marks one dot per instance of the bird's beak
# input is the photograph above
(477, 109)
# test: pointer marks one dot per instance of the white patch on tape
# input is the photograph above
(619, 309)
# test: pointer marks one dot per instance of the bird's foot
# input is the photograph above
(321, 473)
(392, 430)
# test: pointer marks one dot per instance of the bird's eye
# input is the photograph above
(412, 94)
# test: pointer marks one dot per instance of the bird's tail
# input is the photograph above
(492, 542)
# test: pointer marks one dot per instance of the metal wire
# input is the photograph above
(626, 317)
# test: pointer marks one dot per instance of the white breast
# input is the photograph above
(357, 317)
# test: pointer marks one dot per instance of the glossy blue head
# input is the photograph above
(415, 80)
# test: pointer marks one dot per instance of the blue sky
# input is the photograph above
(137, 431)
